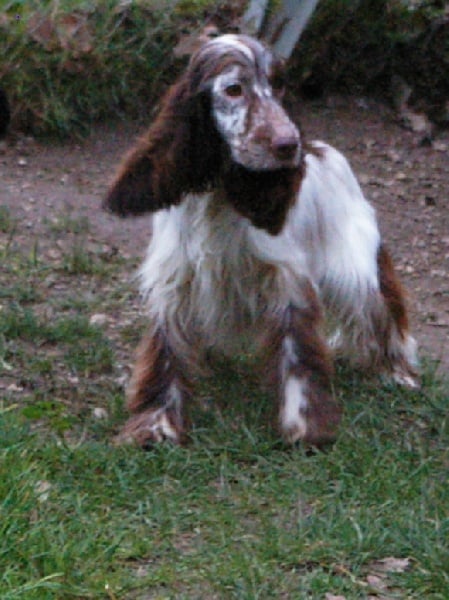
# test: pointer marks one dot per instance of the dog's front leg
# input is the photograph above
(156, 395)
(308, 410)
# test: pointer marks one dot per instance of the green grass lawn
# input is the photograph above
(235, 514)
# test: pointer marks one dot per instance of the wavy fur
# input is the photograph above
(256, 236)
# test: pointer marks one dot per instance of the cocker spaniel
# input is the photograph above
(256, 235)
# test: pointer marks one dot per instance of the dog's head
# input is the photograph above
(222, 122)
(246, 85)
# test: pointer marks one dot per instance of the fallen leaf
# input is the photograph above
(189, 43)
(98, 319)
(377, 582)
(390, 564)
(416, 122)
(74, 34)
(41, 29)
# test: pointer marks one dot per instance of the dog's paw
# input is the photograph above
(308, 414)
(404, 369)
(407, 379)
(151, 427)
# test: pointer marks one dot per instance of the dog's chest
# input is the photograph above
(203, 266)
(229, 281)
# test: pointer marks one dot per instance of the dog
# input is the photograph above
(256, 235)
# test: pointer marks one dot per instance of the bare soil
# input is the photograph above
(406, 180)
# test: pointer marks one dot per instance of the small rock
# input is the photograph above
(401, 176)
(53, 254)
(42, 489)
(98, 319)
(364, 178)
(100, 413)
(122, 381)
(417, 122)
(14, 388)
(394, 156)
(440, 146)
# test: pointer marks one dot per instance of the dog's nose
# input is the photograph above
(285, 147)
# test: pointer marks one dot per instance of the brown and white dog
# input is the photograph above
(256, 234)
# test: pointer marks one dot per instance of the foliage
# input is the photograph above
(67, 64)
(358, 46)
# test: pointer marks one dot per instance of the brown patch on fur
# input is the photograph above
(180, 153)
(150, 396)
(263, 197)
(304, 325)
(323, 413)
(392, 290)
(312, 365)
(155, 370)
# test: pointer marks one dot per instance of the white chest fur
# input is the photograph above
(210, 275)
(209, 272)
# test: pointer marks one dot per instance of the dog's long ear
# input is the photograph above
(178, 154)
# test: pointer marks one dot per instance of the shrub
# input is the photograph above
(358, 46)
(67, 64)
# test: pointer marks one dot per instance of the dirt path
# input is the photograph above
(408, 183)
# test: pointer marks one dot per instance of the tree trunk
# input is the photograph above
(286, 26)
(283, 30)
(252, 20)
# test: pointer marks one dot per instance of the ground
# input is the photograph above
(406, 180)
(235, 514)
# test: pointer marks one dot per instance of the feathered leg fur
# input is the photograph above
(156, 395)
(308, 410)
(399, 346)
(373, 331)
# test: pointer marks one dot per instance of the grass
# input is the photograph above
(233, 515)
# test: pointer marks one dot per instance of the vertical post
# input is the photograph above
(285, 29)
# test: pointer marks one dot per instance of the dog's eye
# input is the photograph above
(234, 90)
